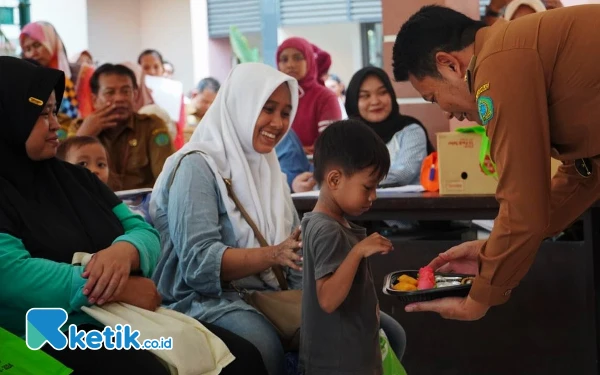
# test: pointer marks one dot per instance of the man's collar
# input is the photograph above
(469, 76)
(131, 121)
(480, 37)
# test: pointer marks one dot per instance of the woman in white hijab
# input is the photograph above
(206, 243)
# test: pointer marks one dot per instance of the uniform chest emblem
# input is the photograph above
(162, 139)
(485, 106)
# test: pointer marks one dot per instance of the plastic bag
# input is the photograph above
(391, 364)
(17, 359)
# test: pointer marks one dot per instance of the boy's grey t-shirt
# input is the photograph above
(347, 340)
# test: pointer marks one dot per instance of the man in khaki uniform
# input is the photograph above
(535, 84)
(137, 145)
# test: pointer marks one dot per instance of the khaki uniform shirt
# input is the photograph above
(137, 151)
(537, 86)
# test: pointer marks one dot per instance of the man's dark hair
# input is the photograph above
(431, 30)
(118, 69)
(150, 52)
(351, 146)
(208, 83)
(75, 142)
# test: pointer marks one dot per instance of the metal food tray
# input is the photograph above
(425, 294)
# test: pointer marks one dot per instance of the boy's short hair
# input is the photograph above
(352, 146)
(75, 142)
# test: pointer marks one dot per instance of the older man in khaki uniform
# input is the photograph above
(535, 84)
(137, 145)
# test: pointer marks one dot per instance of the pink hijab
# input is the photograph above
(318, 106)
(323, 61)
(46, 34)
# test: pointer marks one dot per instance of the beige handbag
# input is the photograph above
(282, 308)
(195, 350)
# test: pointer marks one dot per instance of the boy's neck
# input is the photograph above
(327, 205)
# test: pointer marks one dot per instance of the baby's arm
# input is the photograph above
(333, 289)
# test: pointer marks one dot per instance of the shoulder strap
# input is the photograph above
(179, 163)
(277, 270)
(261, 240)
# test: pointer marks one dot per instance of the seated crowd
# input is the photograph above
(224, 171)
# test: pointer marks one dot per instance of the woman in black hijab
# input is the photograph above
(50, 210)
(370, 97)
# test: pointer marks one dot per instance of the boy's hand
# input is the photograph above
(373, 244)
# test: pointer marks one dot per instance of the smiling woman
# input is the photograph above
(207, 246)
(273, 121)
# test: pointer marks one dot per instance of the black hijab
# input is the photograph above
(395, 121)
(54, 208)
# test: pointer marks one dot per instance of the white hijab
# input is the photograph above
(225, 137)
(512, 7)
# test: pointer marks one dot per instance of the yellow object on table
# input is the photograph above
(408, 279)
(404, 287)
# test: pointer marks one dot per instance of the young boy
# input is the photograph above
(91, 154)
(340, 310)
(87, 152)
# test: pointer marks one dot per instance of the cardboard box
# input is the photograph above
(458, 165)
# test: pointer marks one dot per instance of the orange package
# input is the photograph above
(429, 173)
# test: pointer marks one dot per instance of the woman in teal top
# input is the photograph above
(50, 210)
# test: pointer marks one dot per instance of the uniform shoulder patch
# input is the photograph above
(485, 106)
(482, 89)
(161, 138)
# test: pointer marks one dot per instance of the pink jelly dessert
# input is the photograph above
(426, 278)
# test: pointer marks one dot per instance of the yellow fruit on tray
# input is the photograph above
(408, 279)
(404, 287)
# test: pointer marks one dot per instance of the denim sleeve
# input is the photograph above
(193, 217)
(292, 158)
(407, 148)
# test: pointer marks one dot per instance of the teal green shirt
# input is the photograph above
(27, 282)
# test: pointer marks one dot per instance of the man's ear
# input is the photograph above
(448, 63)
(333, 179)
(94, 100)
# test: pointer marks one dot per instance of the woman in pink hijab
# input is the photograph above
(40, 42)
(318, 106)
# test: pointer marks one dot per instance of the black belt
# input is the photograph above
(584, 167)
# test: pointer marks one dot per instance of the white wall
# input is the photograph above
(167, 27)
(114, 30)
(69, 18)
(340, 40)
(120, 29)
(200, 40)
(71, 25)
